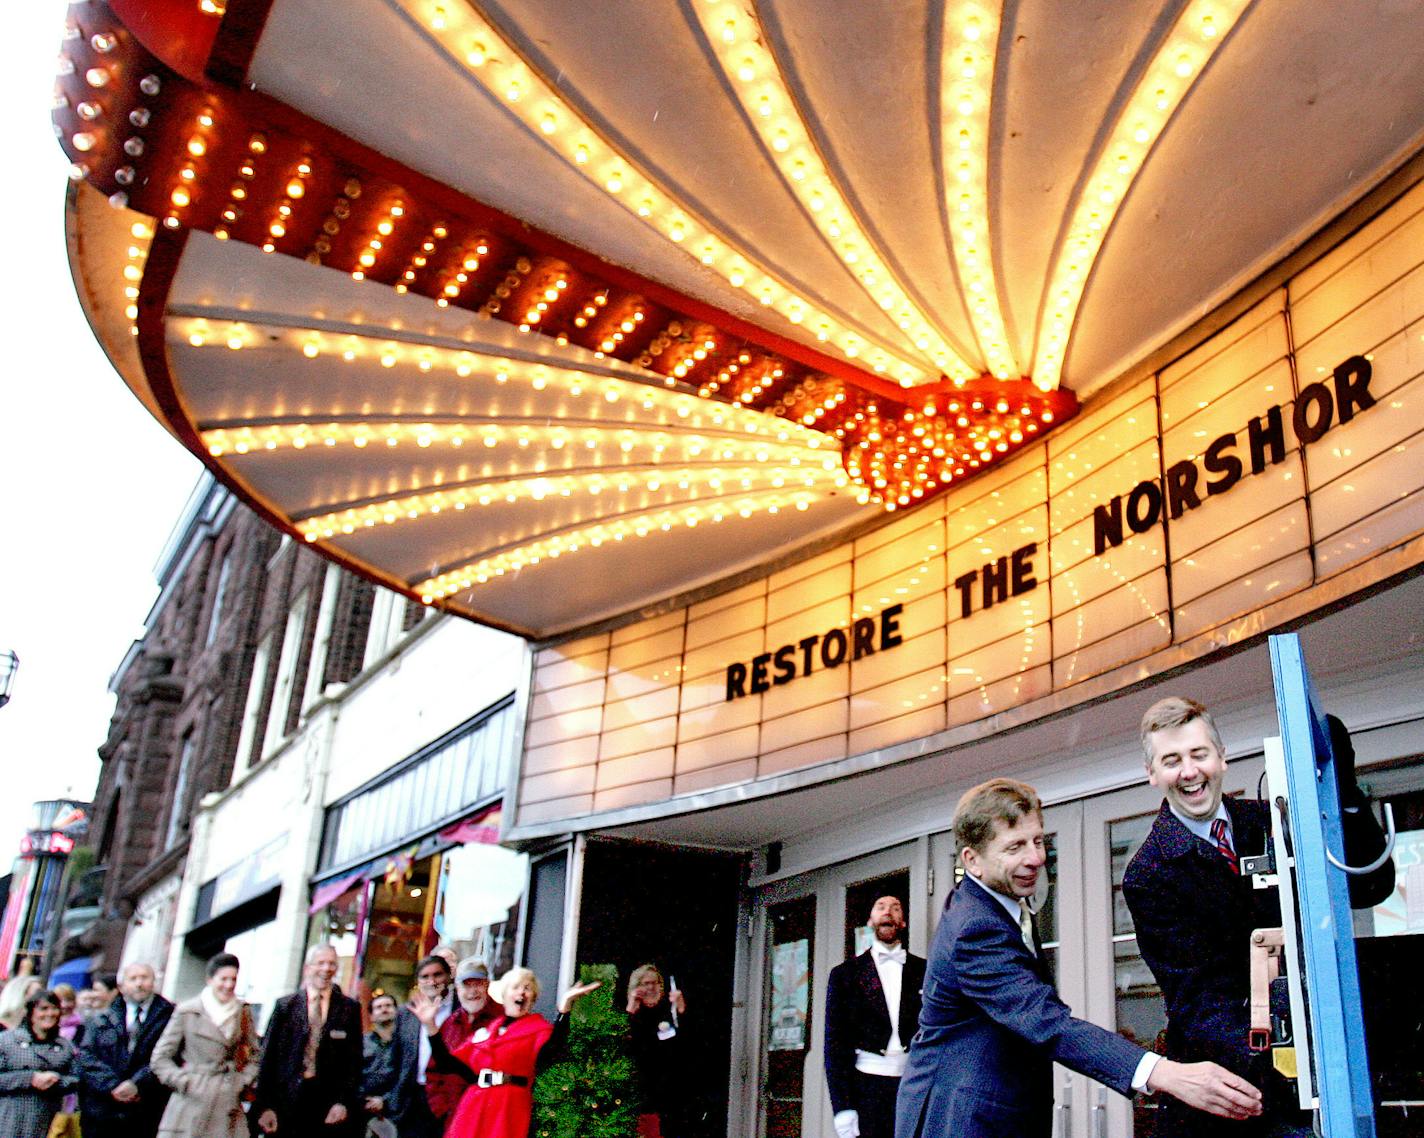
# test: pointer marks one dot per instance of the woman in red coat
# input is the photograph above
(502, 1059)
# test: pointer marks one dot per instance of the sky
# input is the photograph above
(92, 485)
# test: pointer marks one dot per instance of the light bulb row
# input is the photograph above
(606, 443)
(479, 571)
(1173, 70)
(971, 36)
(693, 412)
(475, 45)
(136, 256)
(753, 74)
(539, 488)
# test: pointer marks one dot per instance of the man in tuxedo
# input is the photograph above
(991, 1025)
(119, 1096)
(309, 1080)
(1194, 912)
(872, 1009)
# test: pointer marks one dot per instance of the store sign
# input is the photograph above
(828, 649)
(1221, 465)
(249, 878)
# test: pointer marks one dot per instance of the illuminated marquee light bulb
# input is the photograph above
(1182, 57)
(479, 571)
(971, 33)
(498, 68)
(754, 75)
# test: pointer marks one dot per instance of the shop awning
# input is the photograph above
(546, 313)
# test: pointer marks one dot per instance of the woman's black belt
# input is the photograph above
(486, 1078)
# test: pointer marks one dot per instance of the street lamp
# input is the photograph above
(9, 665)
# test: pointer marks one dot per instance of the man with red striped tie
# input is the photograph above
(1194, 912)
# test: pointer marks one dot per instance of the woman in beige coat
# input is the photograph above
(208, 1055)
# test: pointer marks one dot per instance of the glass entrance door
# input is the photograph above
(807, 925)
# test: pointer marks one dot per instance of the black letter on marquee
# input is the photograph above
(1182, 488)
(736, 681)
(1144, 493)
(759, 680)
(1306, 431)
(890, 634)
(1352, 387)
(1258, 435)
(837, 637)
(1219, 460)
(806, 646)
(964, 584)
(863, 634)
(996, 582)
(785, 665)
(1023, 578)
(1107, 526)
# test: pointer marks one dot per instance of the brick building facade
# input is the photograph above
(248, 629)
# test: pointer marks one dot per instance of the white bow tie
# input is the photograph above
(895, 954)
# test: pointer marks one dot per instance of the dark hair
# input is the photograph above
(109, 980)
(379, 995)
(429, 960)
(220, 961)
(43, 996)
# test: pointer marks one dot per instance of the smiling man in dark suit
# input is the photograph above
(992, 1026)
(309, 1081)
(119, 1095)
(872, 1009)
(1194, 912)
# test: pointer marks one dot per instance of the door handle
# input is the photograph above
(1100, 1114)
(1064, 1126)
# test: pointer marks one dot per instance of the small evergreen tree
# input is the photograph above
(593, 1093)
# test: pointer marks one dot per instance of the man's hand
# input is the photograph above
(267, 1121)
(125, 1092)
(1207, 1087)
(375, 1104)
(847, 1124)
(43, 1080)
(336, 1115)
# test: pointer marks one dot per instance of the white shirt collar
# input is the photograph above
(1010, 904)
(1201, 827)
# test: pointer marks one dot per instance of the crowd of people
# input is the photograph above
(121, 1061)
(960, 1044)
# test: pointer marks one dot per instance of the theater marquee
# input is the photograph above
(1231, 490)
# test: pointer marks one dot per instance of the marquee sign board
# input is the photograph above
(1277, 454)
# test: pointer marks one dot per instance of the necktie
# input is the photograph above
(895, 954)
(1223, 844)
(315, 1022)
(136, 1028)
(1026, 926)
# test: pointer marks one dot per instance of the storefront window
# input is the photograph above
(467, 896)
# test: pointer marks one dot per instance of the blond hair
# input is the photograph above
(514, 975)
(641, 973)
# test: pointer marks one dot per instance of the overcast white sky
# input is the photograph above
(91, 483)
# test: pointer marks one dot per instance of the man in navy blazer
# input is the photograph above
(991, 1025)
(865, 1047)
(119, 1095)
(1194, 912)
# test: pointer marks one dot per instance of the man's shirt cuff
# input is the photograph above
(1145, 1066)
